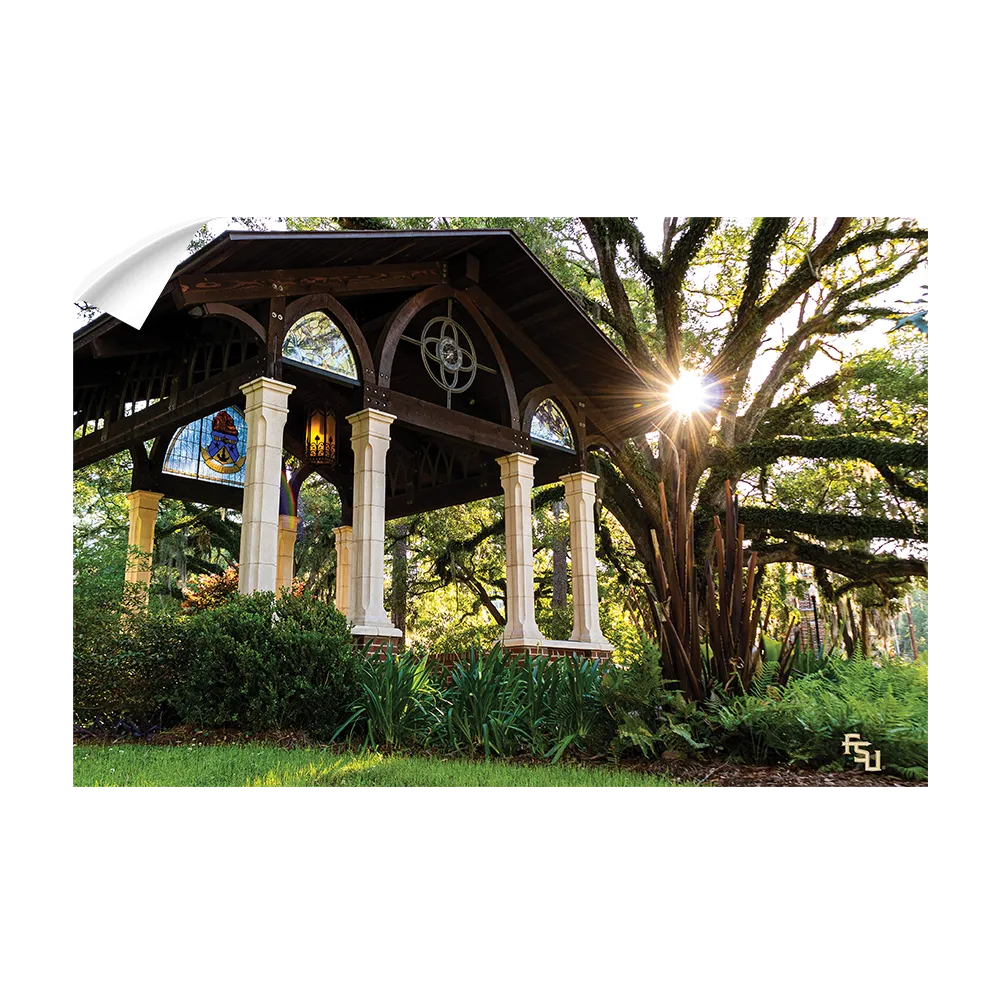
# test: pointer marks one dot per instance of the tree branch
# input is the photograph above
(830, 527)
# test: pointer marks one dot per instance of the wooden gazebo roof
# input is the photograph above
(221, 320)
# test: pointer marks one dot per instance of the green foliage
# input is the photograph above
(209, 590)
(393, 700)
(482, 707)
(259, 662)
(554, 623)
(488, 703)
(805, 721)
(125, 664)
(261, 765)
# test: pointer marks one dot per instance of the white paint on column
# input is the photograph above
(143, 507)
(580, 497)
(517, 476)
(370, 441)
(288, 528)
(342, 599)
(266, 412)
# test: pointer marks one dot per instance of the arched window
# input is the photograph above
(213, 448)
(550, 426)
(317, 341)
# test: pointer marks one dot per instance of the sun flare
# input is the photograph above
(688, 394)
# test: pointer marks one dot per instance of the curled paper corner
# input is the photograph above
(128, 285)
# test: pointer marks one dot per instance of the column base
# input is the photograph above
(380, 645)
(554, 650)
(386, 630)
(523, 639)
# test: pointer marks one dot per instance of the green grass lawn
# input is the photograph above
(257, 764)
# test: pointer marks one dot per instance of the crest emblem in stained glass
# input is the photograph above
(212, 448)
(222, 453)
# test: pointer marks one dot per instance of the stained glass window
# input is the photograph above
(550, 426)
(213, 448)
(316, 340)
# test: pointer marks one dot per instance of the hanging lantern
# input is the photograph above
(321, 437)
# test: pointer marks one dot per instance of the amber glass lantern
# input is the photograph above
(321, 437)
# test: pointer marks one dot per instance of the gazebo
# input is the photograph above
(412, 370)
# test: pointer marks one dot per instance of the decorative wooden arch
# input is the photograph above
(317, 301)
(537, 396)
(401, 318)
(593, 441)
(234, 312)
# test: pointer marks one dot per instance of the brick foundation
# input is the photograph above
(380, 644)
(557, 652)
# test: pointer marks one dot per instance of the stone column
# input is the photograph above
(370, 441)
(142, 509)
(342, 599)
(266, 411)
(517, 476)
(583, 553)
(288, 528)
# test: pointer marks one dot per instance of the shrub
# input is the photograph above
(124, 664)
(209, 590)
(260, 662)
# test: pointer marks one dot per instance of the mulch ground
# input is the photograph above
(673, 765)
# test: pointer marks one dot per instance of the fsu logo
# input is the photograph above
(223, 453)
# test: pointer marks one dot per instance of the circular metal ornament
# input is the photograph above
(448, 354)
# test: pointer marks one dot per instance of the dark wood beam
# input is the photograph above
(463, 270)
(124, 341)
(439, 497)
(195, 490)
(548, 470)
(530, 349)
(192, 289)
(447, 423)
(97, 328)
(221, 390)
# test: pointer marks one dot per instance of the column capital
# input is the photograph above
(343, 531)
(516, 463)
(263, 384)
(369, 419)
(151, 498)
(579, 480)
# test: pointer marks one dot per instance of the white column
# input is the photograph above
(370, 441)
(583, 553)
(517, 476)
(142, 509)
(266, 411)
(342, 598)
(288, 528)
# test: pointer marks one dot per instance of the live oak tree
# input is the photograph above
(831, 466)
(836, 464)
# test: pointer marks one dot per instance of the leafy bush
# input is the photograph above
(805, 721)
(448, 637)
(209, 590)
(393, 700)
(124, 664)
(260, 662)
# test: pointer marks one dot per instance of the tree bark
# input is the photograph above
(397, 593)
(560, 546)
